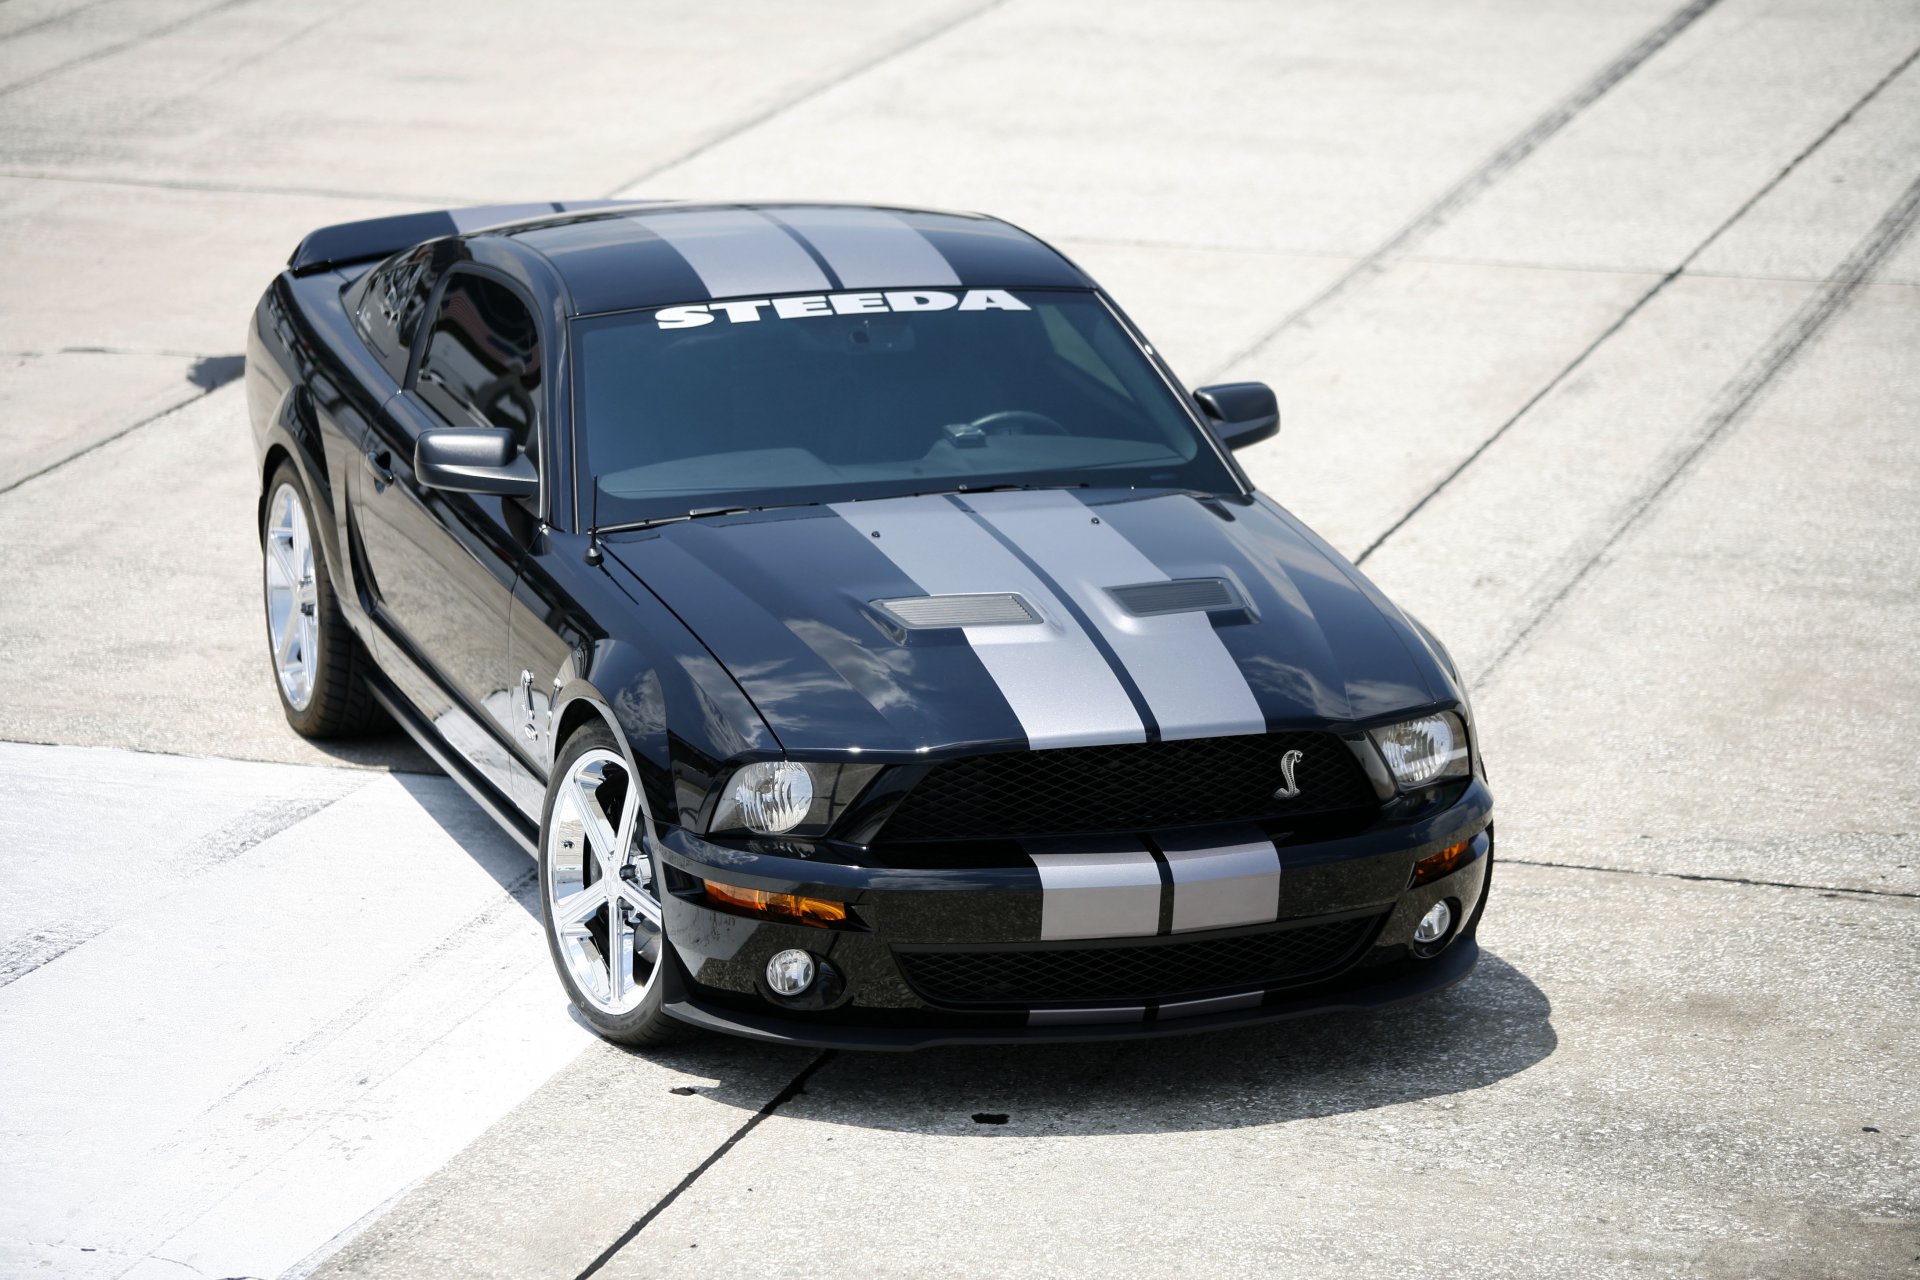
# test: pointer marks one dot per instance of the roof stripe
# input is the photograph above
(737, 252)
(870, 248)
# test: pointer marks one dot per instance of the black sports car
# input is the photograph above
(873, 640)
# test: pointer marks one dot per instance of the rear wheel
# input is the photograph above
(600, 892)
(319, 669)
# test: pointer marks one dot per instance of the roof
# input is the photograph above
(647, 256)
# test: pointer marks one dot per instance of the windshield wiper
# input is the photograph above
(698, 513)
(987, 488)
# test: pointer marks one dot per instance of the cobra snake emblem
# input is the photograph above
(1290, 788)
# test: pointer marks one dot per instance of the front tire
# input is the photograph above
(600, 890)
(319, 668)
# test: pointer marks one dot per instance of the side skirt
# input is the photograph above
(483, 793)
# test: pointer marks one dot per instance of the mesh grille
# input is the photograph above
(1131, 787)
(1183, 595)
(1081, 974)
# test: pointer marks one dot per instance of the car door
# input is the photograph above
(441, 565)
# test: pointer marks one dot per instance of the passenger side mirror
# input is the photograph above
(1243, 413)
(474, 460)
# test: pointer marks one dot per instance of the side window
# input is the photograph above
(391, 305)
(481, 366)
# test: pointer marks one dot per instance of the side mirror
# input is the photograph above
(474, 460)
(1243, 413)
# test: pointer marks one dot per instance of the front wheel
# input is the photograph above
(600, 892)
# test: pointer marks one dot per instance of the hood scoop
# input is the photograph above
(1181, 595)
(932, 613)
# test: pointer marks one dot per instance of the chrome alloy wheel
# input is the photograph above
(602, 893)
(293, 602)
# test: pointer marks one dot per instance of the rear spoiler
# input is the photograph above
(379, 237)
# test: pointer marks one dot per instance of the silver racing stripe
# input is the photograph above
(1050, 673)
(736, 252)
(870, 248)
(1189, 680)
(1094, 889)
(1221, 880)
(1082, 1016)
(1213, 1004)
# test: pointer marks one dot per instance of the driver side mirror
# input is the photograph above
(474, 460)
(1243, 413)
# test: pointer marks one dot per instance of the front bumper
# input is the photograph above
(1354, 893)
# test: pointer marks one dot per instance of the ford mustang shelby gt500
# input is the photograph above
(872, 639)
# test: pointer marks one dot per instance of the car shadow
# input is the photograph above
(1494, 1025)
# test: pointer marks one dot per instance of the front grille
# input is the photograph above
(1138, 972)
(1139, 786)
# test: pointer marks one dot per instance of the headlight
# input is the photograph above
(1424, 751)
(782, 797)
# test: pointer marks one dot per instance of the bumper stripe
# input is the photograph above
(1215, 1004)
(1080, 1017)
(1217, 886)
(1109, 890)
(1191, 684)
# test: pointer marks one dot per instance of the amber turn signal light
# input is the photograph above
(817, 912)
(1445, 862)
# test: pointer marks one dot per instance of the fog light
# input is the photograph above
(1433, 926)
(790, 972)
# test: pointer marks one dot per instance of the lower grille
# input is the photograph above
(1139, 972)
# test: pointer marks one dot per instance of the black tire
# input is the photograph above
(341, 704)
(647, 1024)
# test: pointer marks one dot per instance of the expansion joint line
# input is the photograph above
(1761, 372)
(1489, 171)
(794, 1088)
(127, 430)
(1639, 304)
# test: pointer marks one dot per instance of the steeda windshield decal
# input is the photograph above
(742, 311)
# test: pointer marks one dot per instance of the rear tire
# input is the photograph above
(320, 670)
(610, 950)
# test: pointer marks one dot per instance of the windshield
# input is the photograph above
(842, 396)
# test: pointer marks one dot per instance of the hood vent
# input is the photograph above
(928, 613)
(1182, 595)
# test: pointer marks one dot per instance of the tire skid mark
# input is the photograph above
(1488, 172)
(21, 956)
(1702, 878)
(107, 51)
(1734, 399)
(1640, 303)
(727, 133)
(794, 1088)
(53, 18)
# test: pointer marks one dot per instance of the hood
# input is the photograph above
(1085, 617)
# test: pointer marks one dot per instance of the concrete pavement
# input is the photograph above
(1594, 332)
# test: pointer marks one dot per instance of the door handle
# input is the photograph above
(381, 460)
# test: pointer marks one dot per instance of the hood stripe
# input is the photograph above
(1061, 687)
(736, 252)
(1190, 684)
(1098, 638)
(870, 248)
